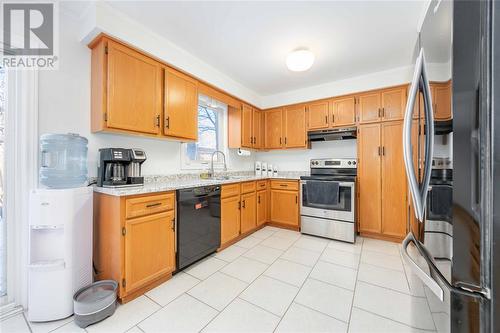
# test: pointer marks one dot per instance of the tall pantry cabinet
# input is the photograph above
(383, 200)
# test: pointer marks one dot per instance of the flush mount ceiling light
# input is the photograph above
(299, 60)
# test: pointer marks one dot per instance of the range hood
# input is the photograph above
(332, 134)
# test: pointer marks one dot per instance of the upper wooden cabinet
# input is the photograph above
(258, 129)
(134, 93)
(369, 107)
(343, 112)
(294, 125)
(126, 90)
(393, 103)
(246, 126)
(382, 105)
(181, 105)
(273, 119)
(441, 96)
(317, 115)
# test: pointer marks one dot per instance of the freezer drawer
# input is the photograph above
(333, 229)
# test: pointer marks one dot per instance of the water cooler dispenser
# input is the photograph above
(60, 250)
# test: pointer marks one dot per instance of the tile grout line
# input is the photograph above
(423, 288)
(300, 288)
(355, 285)
(395, 321)
(389, 289)
(238, 296)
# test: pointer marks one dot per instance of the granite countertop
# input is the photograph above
(171, 183)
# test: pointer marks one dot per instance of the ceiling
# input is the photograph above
(249, 41)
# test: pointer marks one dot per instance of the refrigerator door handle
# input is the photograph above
(427, 279)
(430, 279)
(419, 83)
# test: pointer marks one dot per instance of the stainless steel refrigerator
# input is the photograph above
(458, 42)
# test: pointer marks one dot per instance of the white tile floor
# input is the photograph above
(277, 280)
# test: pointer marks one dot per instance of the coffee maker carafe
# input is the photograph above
(120, 167)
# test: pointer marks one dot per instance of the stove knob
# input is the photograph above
(353, 162)
(349, 162)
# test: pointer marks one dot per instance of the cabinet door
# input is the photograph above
(246, 126)
(149, 249)
(369, 107)
(257, 129)
(442, 101)
(295, 127)
(394, 208)
(230, 219)
(369, 178)
(181, 105)
(261, 207)
(317, 115)
(285, 207)
(248, 212)
(274, 128)
(134, 91)
(393, 104)
(343, 112)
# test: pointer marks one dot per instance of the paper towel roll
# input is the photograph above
(243, 152)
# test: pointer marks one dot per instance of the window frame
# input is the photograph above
(188, 164)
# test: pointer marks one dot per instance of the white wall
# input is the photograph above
(64, 106)
(298, 160)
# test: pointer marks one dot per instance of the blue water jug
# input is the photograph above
(63, 160)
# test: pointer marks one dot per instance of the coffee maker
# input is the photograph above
(120, 167)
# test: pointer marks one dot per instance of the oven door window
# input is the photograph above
(327, 195)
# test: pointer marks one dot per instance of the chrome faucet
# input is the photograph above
(212, 162)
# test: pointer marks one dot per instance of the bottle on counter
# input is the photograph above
(264, 169)
(258, 168)
(275, 171)
(269, 170)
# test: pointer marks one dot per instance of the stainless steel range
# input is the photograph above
(327, 199)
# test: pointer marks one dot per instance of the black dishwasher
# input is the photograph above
(198, 223)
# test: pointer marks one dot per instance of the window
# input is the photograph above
(211, 114)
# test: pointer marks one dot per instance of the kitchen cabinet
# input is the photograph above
(295, 127)
(343, 112)
(246, 126)
(382, 181)
(147, 253)
(382, 105)
(262, 202)
(394, 188)
(285, 203)
(369, 178)
(126, 90)
(393, 103)
(181, 106)
(134, 241)
(369, 107)
(248, 212)
(258, 129)
(136, 94)
(273, 119)
(317, 115)
(441, 96)
(230, 219)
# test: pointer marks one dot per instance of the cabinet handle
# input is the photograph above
(283, 185)
(157, 121)
(173, 225)
(258, 199)
(239, 205)
(333, 118)
(383, 112)
(167, 122)
(243, 203)
(285, 140)
(280, 141)
(326, 119)
(379, 112)
(296, 199)
(383, 151)
(153, 205)
(379, 151)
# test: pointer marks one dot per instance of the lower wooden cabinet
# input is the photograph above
(138, 252)
(148, 255)
(230, 218)
(262, 207)
(248, 211)
(285, 207)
